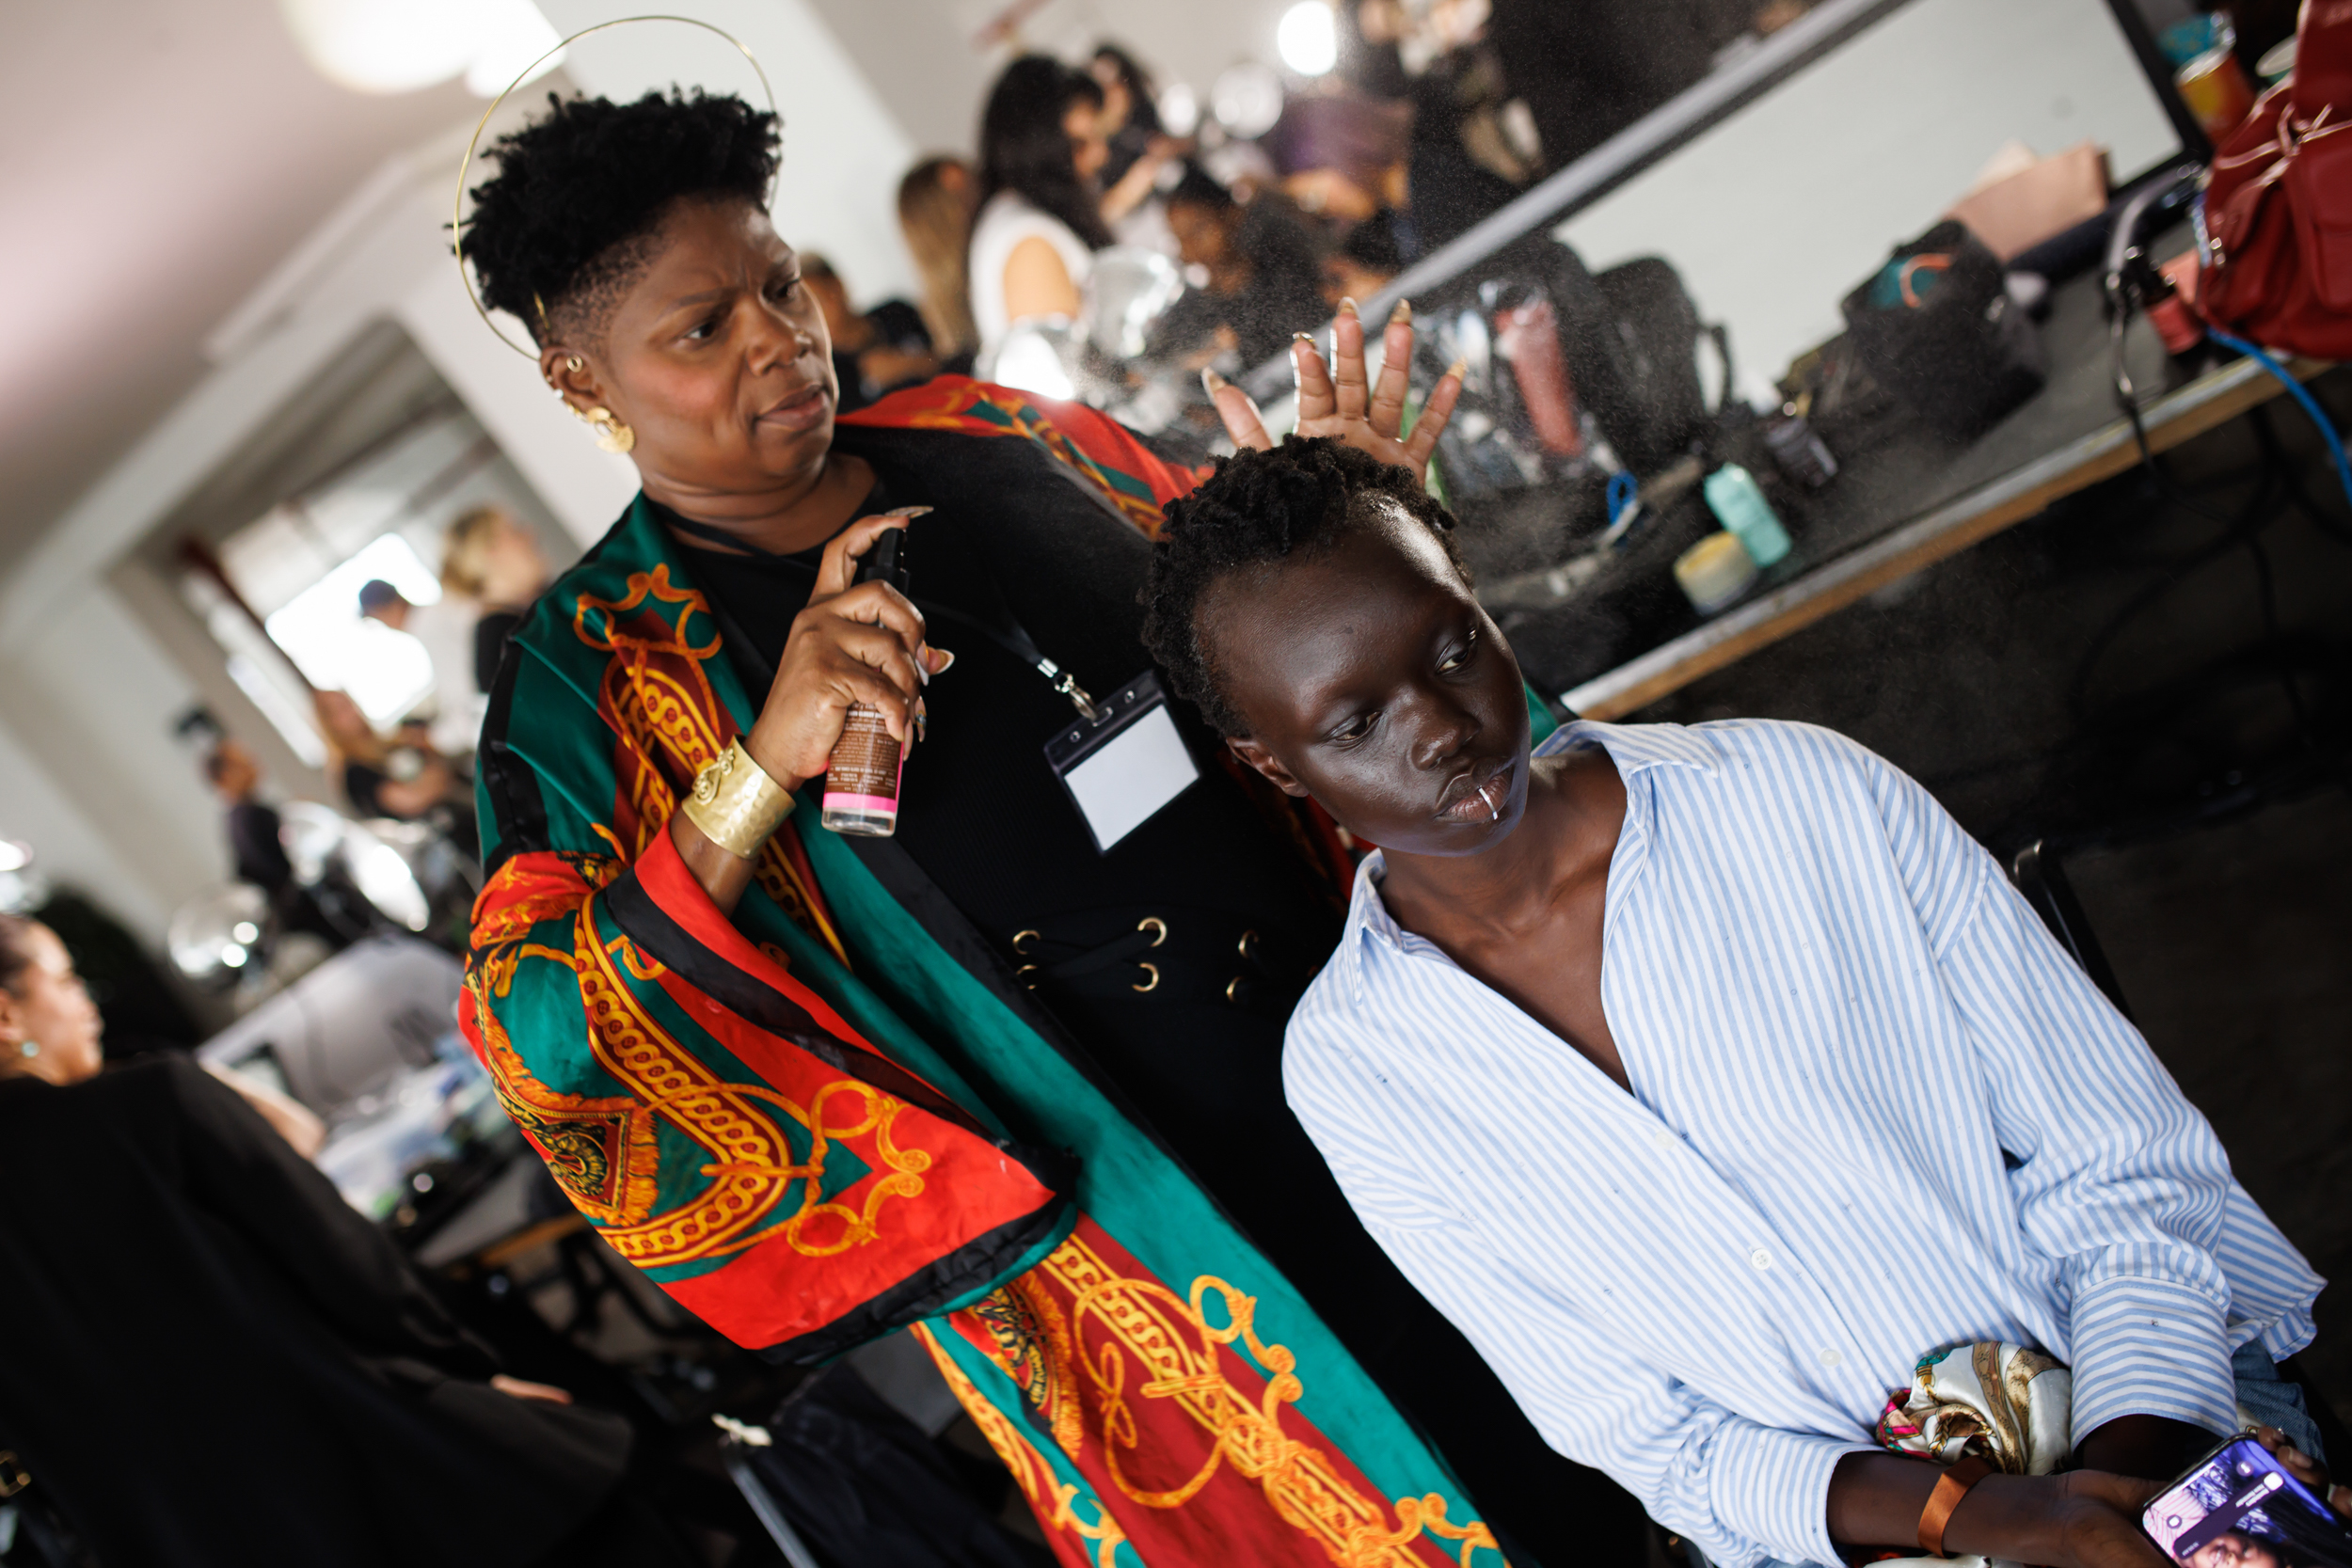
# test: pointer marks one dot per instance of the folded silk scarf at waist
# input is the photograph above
(2010, 1406)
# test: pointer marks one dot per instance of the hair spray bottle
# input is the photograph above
(862, 782)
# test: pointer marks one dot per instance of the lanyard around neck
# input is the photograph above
(997, 623)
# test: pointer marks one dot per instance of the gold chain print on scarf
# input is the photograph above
(1030, 1471)
(749, 1169)
(1155, 1345)
(661, 704)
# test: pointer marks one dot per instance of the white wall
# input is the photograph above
(843, 153)
(1776, 213)
(67, 844)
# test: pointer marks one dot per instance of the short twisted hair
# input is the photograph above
(1256, 508)
(565, 226)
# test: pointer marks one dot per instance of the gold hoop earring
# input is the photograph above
(612, 434)
(573, 364)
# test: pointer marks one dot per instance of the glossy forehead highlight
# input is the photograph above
(1311, 603)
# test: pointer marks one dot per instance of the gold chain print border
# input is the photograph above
(1175, 1352)
(1030, 1471)
(748, 1167)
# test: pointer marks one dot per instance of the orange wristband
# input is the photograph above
(1952, 1485)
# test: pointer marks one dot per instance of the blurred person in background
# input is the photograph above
(406, 780)
(214, 1359)
(446, 628)
(1586, 73)
(1140, 151)
(1474, 146)
(1262, 275)
(491, 560)
(874, 351)
(1363, 264)
(253, 823)
(1040, 219)
(1347, 163)
(257, 846)
(937, 201)
(51, 1030)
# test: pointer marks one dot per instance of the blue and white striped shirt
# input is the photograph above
(1836, 1016)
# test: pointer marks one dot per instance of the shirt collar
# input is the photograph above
(1634, 747)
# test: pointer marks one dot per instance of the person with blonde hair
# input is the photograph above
(937, 201)
(492, 559)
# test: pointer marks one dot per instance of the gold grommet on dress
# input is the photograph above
(1153, 982)
(1230, 987)
(1249, 945)
(1157, 926)
(1022, 974)
(1031, 938)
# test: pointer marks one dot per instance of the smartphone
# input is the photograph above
(2238, 1508)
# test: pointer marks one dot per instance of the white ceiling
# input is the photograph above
(165, 154)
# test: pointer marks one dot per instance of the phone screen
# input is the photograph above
(2238, 1508)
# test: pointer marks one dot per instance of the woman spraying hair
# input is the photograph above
(820, 1088)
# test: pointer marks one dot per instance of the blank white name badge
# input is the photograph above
(1125, 764)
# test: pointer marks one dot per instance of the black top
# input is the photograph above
(979, 810)
(253, 840)
(362, 787)
(1284, 290)
(213, 1359)
(490, 644)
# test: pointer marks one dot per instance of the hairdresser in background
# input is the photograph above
(1040, 221)
(406, 780)
(214, 1359)
(1140, 151)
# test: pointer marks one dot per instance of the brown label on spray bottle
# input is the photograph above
(866, 765)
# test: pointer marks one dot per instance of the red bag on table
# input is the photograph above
(2277, 264)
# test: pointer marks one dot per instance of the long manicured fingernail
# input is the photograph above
(909, 511)
(922, 722)
(1299, 365)
(1403, 314)
(1347, 305)
(945, 661)
(1459, 369)
(1211, 382)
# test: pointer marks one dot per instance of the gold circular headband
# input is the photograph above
(465, 167)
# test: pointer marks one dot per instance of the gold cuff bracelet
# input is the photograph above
(735, 804)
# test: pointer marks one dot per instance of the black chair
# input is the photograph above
(2038, 874)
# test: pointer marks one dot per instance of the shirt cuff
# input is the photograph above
(2151, 1347)
(1773, 1487)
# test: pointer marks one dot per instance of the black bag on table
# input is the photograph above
(1936, 327)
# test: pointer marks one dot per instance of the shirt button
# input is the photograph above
(1830, 1359)
(1761, 1259)
(1662, 1138)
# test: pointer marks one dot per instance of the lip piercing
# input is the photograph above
(1494, 813)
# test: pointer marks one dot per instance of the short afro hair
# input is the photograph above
(1256, 508)
(561, 228)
